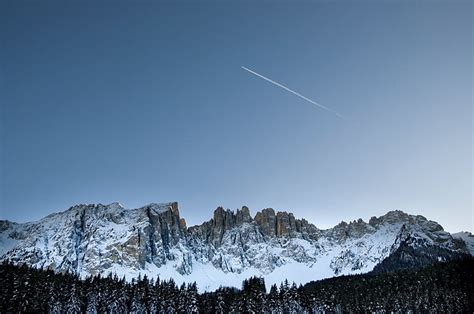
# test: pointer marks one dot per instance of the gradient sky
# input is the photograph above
(146, 101)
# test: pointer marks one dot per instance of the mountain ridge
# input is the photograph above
(94, 238)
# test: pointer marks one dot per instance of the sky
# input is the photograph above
(147, 101)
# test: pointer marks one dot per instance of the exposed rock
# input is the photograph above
(93, 239)
(243, 216)
(266, 220)
(285, 223)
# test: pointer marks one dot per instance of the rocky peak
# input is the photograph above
(92, 239)
(358, 228)
(266, 220)
(339, 232)
(243, 216)
(284, 224)
(5, 225)
(353, 230)
(182, 224)
(287, 224)
(163, 207)
(116, 206)
(223, 220)
(400, 217)
(394, 216)
(165, 216)
(223, 217)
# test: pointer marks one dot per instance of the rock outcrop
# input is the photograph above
(266, 220)
(93, 239)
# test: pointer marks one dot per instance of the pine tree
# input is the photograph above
(293, 300)
(136, 297)
(54, 300)
(441, 288)
(192, 298)
(73, 304)
(274, 300)
(220, 307)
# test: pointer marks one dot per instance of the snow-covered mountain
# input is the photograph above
(467, 238)
(154, 240)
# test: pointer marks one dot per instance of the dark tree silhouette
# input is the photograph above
(443, 287)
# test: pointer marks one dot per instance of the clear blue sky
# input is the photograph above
(146, 101)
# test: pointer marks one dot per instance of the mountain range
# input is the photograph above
(155, 241)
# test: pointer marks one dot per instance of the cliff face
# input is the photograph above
(91, 238)
(223, 220)
(154, 239)
(269, 223)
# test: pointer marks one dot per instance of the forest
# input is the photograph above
(443, 287)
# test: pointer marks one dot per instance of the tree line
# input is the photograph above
(443, 287)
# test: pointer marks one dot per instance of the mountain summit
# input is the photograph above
(231, 246)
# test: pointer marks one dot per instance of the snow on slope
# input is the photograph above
(154, 240)
(468, 238)
(323, 266)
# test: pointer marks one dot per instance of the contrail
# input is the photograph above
(292, 91)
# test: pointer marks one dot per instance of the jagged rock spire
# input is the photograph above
(92, 239)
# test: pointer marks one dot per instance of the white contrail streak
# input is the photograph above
(292, 91)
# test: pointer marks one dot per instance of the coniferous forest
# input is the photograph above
(442, 288)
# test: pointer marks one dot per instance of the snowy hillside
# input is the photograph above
(468, 238)
(154, 240)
